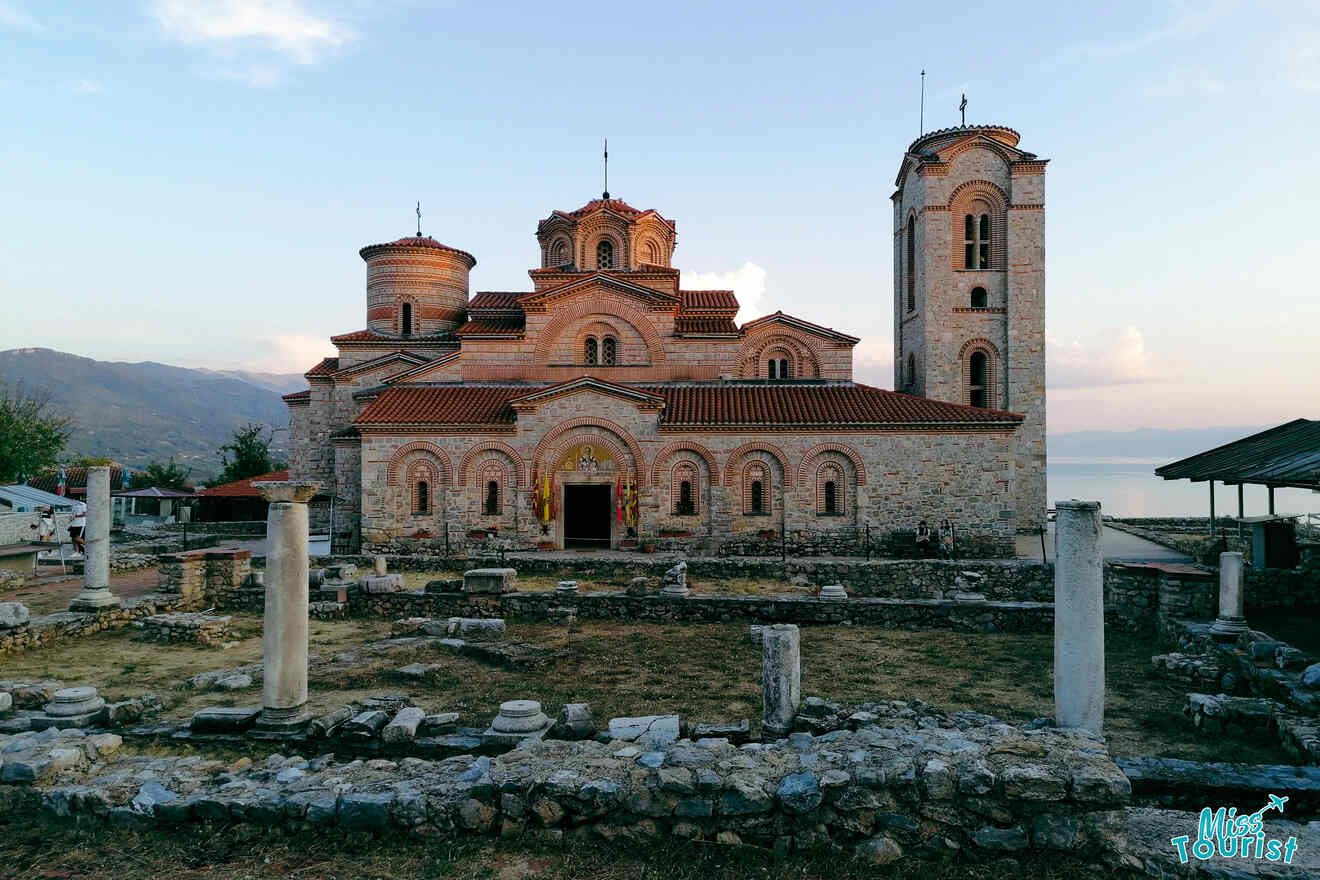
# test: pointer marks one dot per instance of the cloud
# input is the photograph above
(254, 39)
(1191, 19)
(289, 353)
(1108, 359)
(1302, 62)
(14, 18)
(87, 87)
(747, 283)
(1181, 82)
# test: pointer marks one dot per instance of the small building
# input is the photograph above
(75, 481)
(153, 504)
(237, 501)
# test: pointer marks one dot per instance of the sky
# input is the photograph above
(189, 182)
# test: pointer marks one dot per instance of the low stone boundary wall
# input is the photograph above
(958, 783)
(49, 628)
(247, 528)
(202, 629)
(212, 577)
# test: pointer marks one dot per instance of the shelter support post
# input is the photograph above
(1241, 511)
(1271, 491)
(1212, 507)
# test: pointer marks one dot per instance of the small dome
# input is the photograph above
(416, 241)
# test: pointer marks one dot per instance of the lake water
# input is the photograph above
(1129, 488)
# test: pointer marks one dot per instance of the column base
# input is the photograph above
(288, 720)
(1227, 629)
(777, 729)
(95, 600)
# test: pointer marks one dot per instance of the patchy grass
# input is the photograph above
(31, 849)
(704, 672)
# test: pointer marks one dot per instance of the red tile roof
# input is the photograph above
(243, 488)
(721, 300)
(696, 406)
(495, 299)
(424, 241)
(305, 394)
(492, 327)
(617, 205)
(376, 336)
(444, 405)
(815, 405)
(700, 324)
(780, 316)
(324, 368)
(75, 480)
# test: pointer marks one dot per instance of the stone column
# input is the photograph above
(284, 632)
(781, 677)
(96, 593)
(1231, 622)
(1079, 616)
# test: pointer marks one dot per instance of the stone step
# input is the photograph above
(1195, 784)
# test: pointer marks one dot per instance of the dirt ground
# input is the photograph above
(587, 582)
(31, 849)
(703, 672)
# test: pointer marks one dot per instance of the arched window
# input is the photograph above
(831, 501)
(559, 253)
(772, 368)
(980, 299)
(912, 371)
(785, 368)
(756, 487)
(652, 253)
(829, 482)
(589, 354)
(609, 351)
(683, 489)
(978, 367)
(685, 498)
(605, 255)
(422, 500)
(405, 320)
(911, 264)
(492, 506)
(976, 241)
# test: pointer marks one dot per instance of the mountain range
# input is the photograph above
(144, 412)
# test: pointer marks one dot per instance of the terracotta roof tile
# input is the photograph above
(699, 324)
(696, 406)
(75, 482)
(305, 394)
(243, 488)
(376, 336)
(423, 241)
(492, 327)
(495, 299)
(324, 368)
(722, 300)
(443, 405)
(780, 315)
(816, 405)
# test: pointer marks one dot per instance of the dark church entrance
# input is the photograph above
(587, 516)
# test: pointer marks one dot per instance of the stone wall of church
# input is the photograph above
(886, 481)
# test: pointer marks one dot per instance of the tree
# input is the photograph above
(32, 434)
(251, 454)
(164, 476)
(95, 461)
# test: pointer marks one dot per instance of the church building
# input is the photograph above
(606, 404)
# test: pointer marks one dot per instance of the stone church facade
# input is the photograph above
(607, 404)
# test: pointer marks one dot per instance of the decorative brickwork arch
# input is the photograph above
(754, 351)
(444, 470)
(758, 496)
(616, 452)
(634, 448)
(996, 205)
(492, 480)
(990, 385)
(421, 481)
(832, 495)
(491, 446)
(843, 449)
(607, 308)
(734, 457)
(685, 471)
(990, 145)
(689, 446)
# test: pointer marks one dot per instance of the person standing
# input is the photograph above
(78, 527)
(45, 526)
(947, 540)
(923, 539)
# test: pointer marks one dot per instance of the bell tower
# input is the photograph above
(969, 286)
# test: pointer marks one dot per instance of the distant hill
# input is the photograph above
(143, 412)
(1162, 444)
